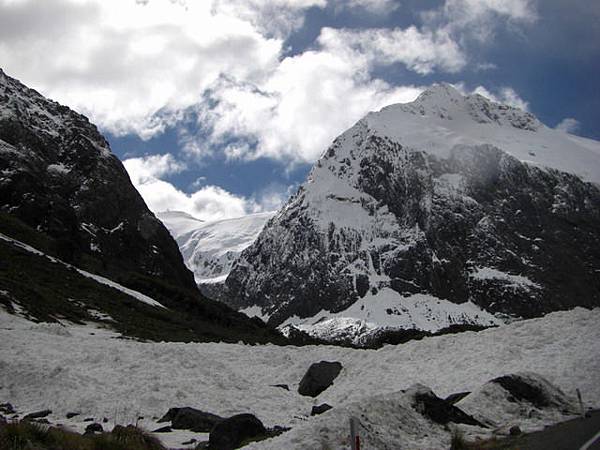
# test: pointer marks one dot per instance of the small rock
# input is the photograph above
(163, 430)
(282, 386)
(319, 377)
(38, 414)
(316, 410)
(515, 430)
(70, 415)
(190, 442)
(89, 419)
(42, 421)
(105, 420)
(93, 428)
(230, 433)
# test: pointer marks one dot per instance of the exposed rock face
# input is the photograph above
(58, 175)
(66, 200)
(427, 215)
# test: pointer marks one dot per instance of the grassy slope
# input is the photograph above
(50, 291)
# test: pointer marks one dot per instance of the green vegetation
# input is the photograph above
(28, 436)
(50, 291)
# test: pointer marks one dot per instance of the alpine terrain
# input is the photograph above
(77, 241)
(445, 211)
(210, 248)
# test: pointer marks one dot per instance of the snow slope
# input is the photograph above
(210, 249)
(442, 118)
(89, 371)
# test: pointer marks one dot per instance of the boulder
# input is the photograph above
(230, 433)
(191, 419)
(38, 414)
(319, 377)
(93, 428)
(70, 415)
(439, 410)
(454, 398)
(320, 409)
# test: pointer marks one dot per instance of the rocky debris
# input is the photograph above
(453, 398)
(7, 408)
(191, 419)
(93, 428)
(319, 377)
(230, 433)
(320, 409)
(38, 414)
(70, 415)
(439, 410)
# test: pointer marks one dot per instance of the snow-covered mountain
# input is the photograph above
(448, 210)
(210, 248)
(77, 241)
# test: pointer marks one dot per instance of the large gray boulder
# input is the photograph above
(319, 377)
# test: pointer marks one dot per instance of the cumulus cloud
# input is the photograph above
(131, 66)
(420, 51)
(372, 6)
(479, 18)
(505, 95)
(568, 125)
(152, 166)
(218, 72)
(204, 202)
(295, 113)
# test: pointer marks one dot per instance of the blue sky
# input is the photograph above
(220, 107)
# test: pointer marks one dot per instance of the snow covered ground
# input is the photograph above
(94, 372)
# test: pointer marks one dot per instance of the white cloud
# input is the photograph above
(372, 6)
(142, 66)
(568, 125)
(505, 95)
(274, 17)
(130, 66)
(309, 100)
(480, 18)
(420, 51)
(205, 202)
(152, 166)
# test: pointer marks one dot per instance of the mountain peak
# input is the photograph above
(440, 93)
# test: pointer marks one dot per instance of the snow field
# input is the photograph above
(91, 372)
